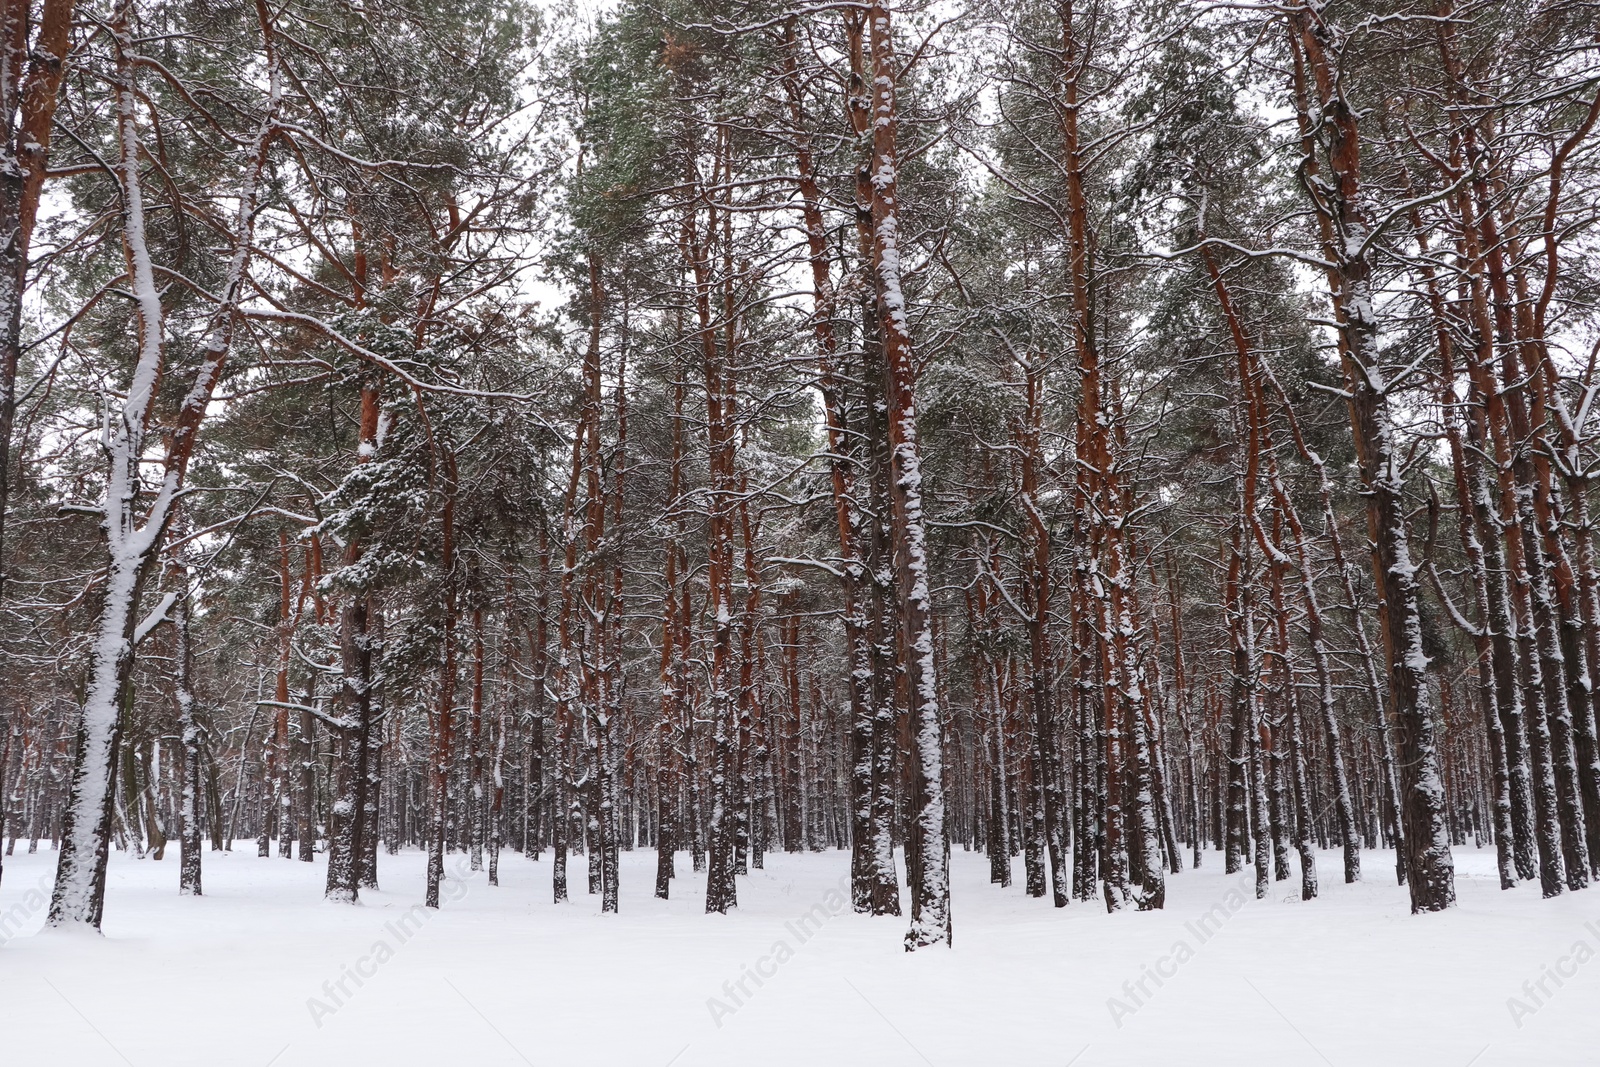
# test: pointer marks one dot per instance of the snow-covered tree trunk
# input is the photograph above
(189, 854)
(1430, 872)
(477, 797)
(1185, 713)
(1492, 610)
(1253, 374)
(721, 890)
(1565, 455)
(872, 882)
(1089, 839)
(134, 528)
(1298, 791)
(371, 738)
(276, 749)
(673, 664)
(504, 718)
(1037, 589)
(989, 716)
(132, 549)
(442, 740)
(1523, 637)
(930, 880)
(1243, 696)
(347, 821)
(536, 791)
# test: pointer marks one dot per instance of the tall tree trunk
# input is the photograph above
(30, 83)
(930, 881)
(1430, 872)
(1251, 370)
(443, 739)
(134, 534)
(347, 821)
(189, 735)
(1036, 601)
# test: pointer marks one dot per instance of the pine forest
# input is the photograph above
(1032, 510)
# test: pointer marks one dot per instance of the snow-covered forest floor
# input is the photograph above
(250, 973)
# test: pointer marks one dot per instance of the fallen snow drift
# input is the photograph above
(261, 971)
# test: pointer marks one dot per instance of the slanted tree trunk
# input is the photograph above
(134, 530)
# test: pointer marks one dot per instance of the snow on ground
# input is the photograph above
(251, 974)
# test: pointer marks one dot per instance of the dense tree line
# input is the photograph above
(1100, 433)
